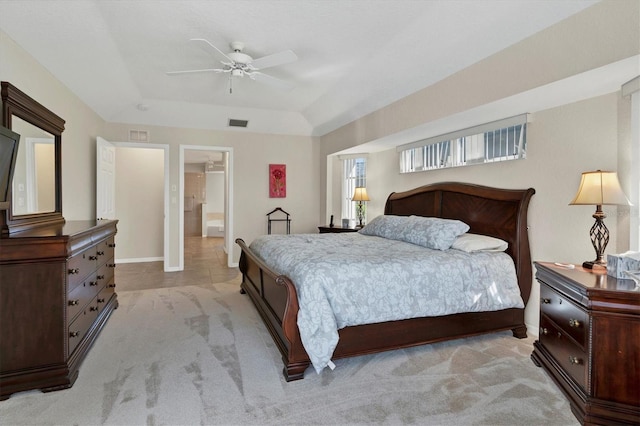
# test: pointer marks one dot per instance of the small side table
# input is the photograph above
(326, 229)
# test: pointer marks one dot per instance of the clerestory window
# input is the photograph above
(496, 141)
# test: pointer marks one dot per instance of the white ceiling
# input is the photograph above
(354, 56)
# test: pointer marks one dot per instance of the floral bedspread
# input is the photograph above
(350, 279)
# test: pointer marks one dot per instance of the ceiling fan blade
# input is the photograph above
(271, 81)
(195, 71)
(273, 60)
(206, 43)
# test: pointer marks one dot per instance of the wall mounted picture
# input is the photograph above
(277, 180)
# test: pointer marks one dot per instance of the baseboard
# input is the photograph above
(140, 260)
(532, 331)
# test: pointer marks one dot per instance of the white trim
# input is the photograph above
(634, 181)
(228, 215)
(351, 156)
(469, 131)
(165, 148)
(140, 259)
(630, 87)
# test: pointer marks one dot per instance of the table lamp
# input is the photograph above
(598, 188)
(360, 195)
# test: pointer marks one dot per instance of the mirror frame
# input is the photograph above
(17, 103)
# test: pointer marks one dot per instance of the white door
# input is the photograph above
(105, 179)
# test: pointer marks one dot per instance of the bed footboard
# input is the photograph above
(276, 300)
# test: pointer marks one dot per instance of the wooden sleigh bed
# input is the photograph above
(488, 211)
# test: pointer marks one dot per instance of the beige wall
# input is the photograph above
(252, 154)
(139, 201)
(81, 127)
(562, 142)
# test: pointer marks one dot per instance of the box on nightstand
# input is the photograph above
(618, 263)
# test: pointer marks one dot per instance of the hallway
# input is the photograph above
(205, 262)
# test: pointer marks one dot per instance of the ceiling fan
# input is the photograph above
(238, 64)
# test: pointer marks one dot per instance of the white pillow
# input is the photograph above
(474, 242)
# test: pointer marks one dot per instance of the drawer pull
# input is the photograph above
(74, 302)
(545, 301)
(574, 323)
(111, 286)
(93, 257)
(111, 265)
(93, 308)
(74, 333)
(544, 330)
(100, 253)
(112, 245)
(93, 283)
(100, 277)
(575, 360)
(74, 271)
(100, 300)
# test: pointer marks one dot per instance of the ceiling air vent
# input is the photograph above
(138, 136)
(238, 123)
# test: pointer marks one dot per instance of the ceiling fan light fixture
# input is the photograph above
(239, 64)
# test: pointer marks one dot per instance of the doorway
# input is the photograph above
(133, 211)
(205, 154)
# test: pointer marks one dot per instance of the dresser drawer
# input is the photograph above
(81, 265)
(105, 273)
(105, 249)
(105, 294)
(570, 318)
(571, 357)
(81, 295)
(81, 324)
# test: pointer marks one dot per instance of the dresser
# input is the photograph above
(57, 291)
(590, 341)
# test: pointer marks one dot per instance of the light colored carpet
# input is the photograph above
(201, 355)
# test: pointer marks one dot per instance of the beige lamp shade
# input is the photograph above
(360, 194)
(598, 188)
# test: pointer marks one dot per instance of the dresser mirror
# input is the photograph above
(36, 195)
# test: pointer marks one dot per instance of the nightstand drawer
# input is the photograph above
(564, 350)
(569, 317)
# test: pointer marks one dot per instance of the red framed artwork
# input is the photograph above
(277, 180)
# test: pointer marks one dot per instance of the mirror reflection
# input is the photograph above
(33, 187)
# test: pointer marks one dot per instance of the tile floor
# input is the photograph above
(205, 262)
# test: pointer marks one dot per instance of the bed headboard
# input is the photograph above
(500, 213)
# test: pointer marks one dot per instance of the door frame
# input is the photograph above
(165, 147)
(228, 216)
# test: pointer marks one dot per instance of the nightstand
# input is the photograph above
(328, 229)
(590, 341)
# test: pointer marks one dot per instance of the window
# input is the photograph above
(632, 89)
(497, 141)
(354, 174)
